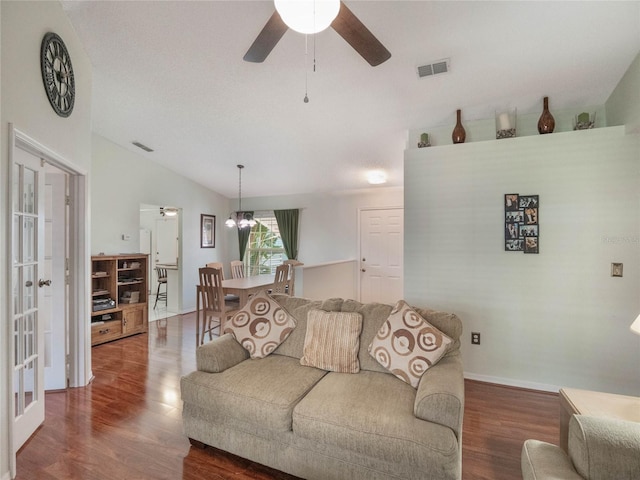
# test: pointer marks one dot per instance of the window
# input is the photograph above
(265, 251)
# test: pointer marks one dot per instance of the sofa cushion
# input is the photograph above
(332, 341)
(407, 345)
(373, 316)
(261, 325)
(299, 309)
(371, 413)
(262, 391)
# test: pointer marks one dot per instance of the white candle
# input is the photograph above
(504, 122)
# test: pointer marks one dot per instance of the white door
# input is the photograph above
(53, 314)
(29, 284)
(381, 255)
(167, 241)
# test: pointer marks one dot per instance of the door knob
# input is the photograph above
(42, 283)
(28, 283)
(363, 269)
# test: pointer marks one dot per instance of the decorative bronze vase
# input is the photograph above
(459, 134)
(547, 123)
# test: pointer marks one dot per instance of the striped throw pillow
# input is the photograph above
(332, 341)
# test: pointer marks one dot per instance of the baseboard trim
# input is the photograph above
(512, 383)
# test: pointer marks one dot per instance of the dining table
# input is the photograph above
(244, 287)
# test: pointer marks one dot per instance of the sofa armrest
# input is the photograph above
(220, 354)
(604, 447)
(440, 395)
(543, 461)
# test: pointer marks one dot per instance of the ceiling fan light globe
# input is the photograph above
(170, 211)
(308, 16)
(230, 223)
(244, 223)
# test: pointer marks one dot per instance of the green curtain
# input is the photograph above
(288, 225)
(243, 238)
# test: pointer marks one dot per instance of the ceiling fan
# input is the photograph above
(345, 23)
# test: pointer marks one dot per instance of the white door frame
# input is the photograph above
(79, 245)
(359, 260)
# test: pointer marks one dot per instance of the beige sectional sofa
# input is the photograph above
(324, 425)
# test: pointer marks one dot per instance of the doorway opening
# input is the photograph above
(160, 238)
(55, 310)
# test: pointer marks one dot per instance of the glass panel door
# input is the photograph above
(27, 271)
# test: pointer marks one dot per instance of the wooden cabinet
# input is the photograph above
(119, 299)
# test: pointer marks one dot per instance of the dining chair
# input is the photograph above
(161, 273)
(216, 265)
(237, 269)
(281, 281)
(228, 298)
(211, 304)
(292, 274)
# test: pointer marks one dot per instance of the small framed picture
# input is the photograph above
(207, 231)
(511, 202)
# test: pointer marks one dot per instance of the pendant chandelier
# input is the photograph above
(240, 218)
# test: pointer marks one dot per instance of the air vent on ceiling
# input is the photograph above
(435, 68)
(143, 147)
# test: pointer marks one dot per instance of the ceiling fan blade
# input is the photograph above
(266, 40)
(359, 37)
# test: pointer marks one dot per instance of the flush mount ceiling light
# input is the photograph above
(308, 16)
(168, 211)
(376, 177)
(240, 218)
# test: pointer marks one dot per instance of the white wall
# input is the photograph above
(328, 222)
(623, 105)
(327, 280)
(548, 320)
(122, 181)
(24, 103)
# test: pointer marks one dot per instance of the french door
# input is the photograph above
(28, 287)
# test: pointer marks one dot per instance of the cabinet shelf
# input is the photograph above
(104, 312)
(110, 280)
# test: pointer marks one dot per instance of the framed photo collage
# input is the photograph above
(521, 223)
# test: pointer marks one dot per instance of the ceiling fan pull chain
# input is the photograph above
(306, 74)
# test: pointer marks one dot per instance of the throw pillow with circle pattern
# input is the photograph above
(407, 345)
(261, 325)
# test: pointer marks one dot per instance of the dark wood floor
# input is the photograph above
(127, 423)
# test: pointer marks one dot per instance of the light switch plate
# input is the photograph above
(616, 269)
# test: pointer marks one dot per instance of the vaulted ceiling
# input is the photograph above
(170, 74)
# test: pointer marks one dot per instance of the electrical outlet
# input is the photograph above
(475, 338)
